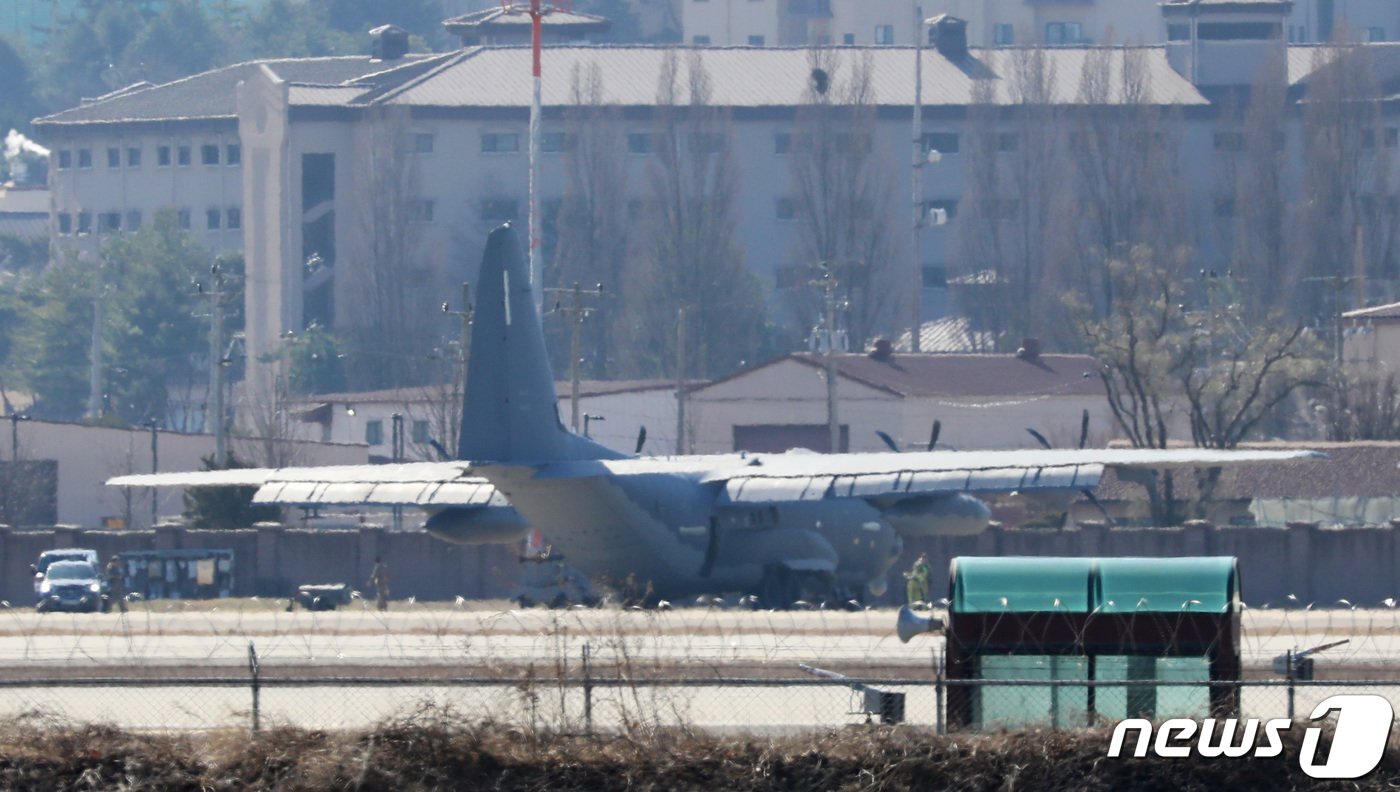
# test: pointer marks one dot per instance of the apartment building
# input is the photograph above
(998, 23)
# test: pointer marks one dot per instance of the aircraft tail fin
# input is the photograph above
(510, 413)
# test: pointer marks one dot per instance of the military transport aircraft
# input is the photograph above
(779, 526)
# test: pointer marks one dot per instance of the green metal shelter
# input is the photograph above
(1091, 619)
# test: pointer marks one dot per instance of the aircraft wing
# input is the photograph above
(889, 477)
(409, 484)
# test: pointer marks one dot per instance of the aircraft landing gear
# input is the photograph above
(782, 588)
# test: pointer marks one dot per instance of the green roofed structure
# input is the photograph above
(1091, 619)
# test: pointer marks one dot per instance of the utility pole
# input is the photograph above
(576, 311)
(94, 410)
(680, 381)
(215, 416)
(155, 468)
(833, 423)
(397, 449)
(463, 357)
(536, 238)
(917, 287)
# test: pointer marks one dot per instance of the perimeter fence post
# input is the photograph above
(587, 689)
(255, 671)
(939, 727)
(1291, 690)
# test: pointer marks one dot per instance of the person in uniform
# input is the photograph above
(379, 580)
(916, 585)
(116, 583)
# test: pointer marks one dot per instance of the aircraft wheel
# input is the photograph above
(778, 589)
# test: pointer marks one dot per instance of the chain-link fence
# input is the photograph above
(178, 666)
(616, 700)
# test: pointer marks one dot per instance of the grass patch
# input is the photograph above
(430, 752)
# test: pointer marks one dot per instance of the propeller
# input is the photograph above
(641, 440)
(442, 452)
(1084, 428)
(889, 441)
(1040, 437)
(933, 435)
(893, 446)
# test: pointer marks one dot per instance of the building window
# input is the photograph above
(420, 431)
(1003, 34)
(233, 154)
(109, 222)
(949, 207)
(1057, 33)
(209, 154)
(84, 223)
(212, 219)
(65, 223)
(782, 143)
(942, 142)
(84, 158)
(498, 210)
(184, 215)
(422, 143)
(757, 41)
(65, 159)
(133, 157)
(700, 41)
(1008, 141)
(133, 220)
(849, 39)
(1232, 140)
(235, 218)
(162, 156)
(114, 157)
(182, 156)
(555, 142)
(499, 142)
(935, 277)
(1178, 32)
(374, 432)
(785, 209)
(422, 211)
(884, 34)
(1375, 34)
(638, 143)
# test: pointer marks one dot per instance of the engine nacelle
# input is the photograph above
(939, 515)
(478, 525)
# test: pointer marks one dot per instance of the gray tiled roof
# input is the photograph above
(958, 376)
(506, 17)
(769, 77)
(213, 94)
(1390, 311)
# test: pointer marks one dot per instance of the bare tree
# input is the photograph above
(393, 280)
(842, 201)
(1127, 174)
(692, 259)
(593, 234)
(1347, 218)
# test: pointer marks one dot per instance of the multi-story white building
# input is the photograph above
(119, 159)
(998, 23)
(307, 135)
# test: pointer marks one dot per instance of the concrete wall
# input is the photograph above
(89, 455)
(1316, 565)
(272, 562)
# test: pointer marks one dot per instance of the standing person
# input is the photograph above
(379, 579)
(916, 589)
(116, 583)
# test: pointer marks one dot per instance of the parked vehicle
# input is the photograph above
(48, 557)
(72, 586)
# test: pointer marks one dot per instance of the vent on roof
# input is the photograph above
(1030, 349)
(388, 42)
(949, 36)
(883, 350)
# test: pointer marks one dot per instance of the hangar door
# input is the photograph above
(777, 438)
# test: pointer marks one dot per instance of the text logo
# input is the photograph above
(1358, 741)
